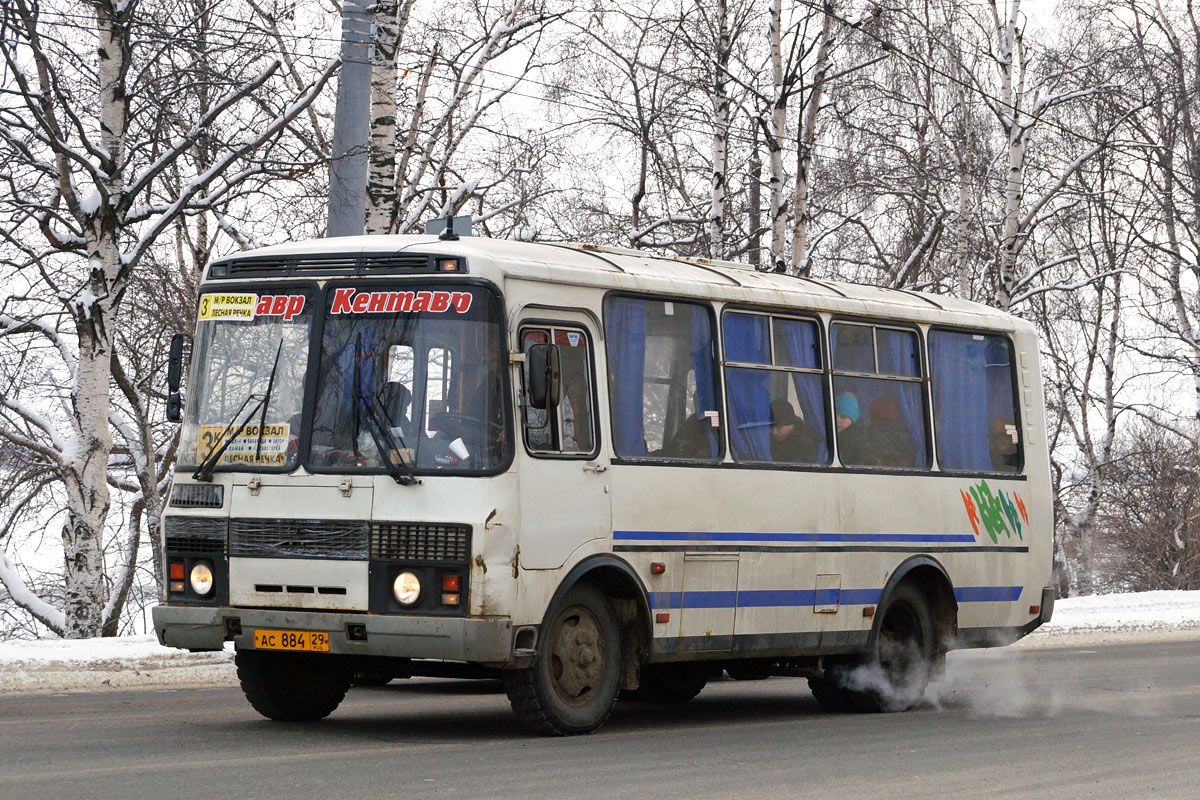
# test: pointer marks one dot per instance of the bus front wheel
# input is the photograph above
(291, 687)
(573, 683)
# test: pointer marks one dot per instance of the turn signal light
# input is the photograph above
(176, 569)
(662, 617)
(1035, 609)
(657, 568)
(451, 582)
(448, 265)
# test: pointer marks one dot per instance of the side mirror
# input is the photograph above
(174, 374)
(175, 363)
(544, 376)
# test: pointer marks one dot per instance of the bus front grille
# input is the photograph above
(194, 534)
(298, 538)
(420, 541)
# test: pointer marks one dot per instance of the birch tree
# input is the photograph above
(464, 62)
(83, 162)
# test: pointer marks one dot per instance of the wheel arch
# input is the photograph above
(931, 577)
(630, 600)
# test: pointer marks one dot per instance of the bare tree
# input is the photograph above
(1152, 510)
(459, 91)
(84, 153)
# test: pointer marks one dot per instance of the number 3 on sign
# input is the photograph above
(204, 303)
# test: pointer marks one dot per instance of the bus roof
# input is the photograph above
(635, 270)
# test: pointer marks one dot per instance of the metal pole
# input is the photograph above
(351, 125)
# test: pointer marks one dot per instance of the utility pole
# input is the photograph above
(351, 124)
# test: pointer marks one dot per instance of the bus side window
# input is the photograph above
(662, 381)
(569, 428)
(775, 389)
(879, 408)
(974, 406)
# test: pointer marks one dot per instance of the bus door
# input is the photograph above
(564, 469)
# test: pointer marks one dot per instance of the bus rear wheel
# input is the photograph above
(893, 674)
(573, 683)
(291, 687)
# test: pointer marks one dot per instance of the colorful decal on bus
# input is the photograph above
(998, 512)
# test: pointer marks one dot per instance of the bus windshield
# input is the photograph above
(423, 362)
(251, 351)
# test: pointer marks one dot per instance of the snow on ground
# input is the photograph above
(139, 661)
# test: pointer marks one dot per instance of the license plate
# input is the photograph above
(310, 641)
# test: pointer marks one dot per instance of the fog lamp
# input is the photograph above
(201, 579)
(406, 588)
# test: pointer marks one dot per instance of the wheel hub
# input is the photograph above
(577, 662)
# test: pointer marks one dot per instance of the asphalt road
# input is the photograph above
(1105, 722)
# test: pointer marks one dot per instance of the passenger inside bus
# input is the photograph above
(890, 442)
(791, 442)
(395, 398)
(692, 439)
(1002, 444)
(852, 445)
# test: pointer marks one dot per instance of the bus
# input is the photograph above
(595, 473)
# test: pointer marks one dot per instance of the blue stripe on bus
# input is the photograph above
(987, 594)
(794, 598)
(722, 536)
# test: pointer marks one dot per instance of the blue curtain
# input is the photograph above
(960, 381)
(803, 350)
(902, 352)
(362, 340)
(999, 380)
(625, 325)
(702, 363)
(748, 390)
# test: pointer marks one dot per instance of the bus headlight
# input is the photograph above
(201, 579)
(406, 588)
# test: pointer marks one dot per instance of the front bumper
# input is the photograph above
(484, 641)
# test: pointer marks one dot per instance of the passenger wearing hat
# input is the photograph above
(791, 442)
(891, 442)
(852, 445)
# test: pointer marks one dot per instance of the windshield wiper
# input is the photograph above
(262, 419)
(389, 451)
(385, 441)
(204, 471)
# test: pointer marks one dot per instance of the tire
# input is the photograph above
(573, 683)
(829, 693)
(291, 687)
(670, 683)
(893, 674)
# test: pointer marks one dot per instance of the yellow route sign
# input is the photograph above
(227, 306)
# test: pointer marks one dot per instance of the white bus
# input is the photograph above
(595, 472)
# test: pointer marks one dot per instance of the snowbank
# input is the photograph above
(1115, 618)
(139, 661)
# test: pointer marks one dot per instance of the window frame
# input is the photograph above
(316, 294)
(824, 371)
(922, 378)
(718, 382)
(1014, 380)
(545, 323)
(312, 391)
